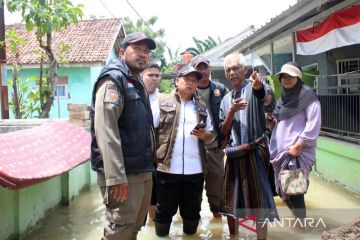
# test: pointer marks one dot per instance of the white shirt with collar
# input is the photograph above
(186, 157)
(154, 103)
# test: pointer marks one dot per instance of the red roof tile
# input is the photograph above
(90, 41)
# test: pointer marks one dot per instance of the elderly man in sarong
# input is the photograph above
(247, 189)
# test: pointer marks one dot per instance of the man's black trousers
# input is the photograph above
(177, 190)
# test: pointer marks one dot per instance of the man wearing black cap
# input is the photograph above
(122, 147)
(212, 93)
(182, 127)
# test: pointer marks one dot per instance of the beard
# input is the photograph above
(133, 64)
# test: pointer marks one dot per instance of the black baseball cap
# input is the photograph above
(199, 59)
(137, 37)
(186, 70)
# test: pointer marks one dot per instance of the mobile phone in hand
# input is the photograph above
(268, 117)
(200, 125)
(237, 100)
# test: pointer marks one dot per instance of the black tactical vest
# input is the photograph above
(135, 123)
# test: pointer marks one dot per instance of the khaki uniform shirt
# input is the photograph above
(109, 104)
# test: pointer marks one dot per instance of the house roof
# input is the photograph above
(219, 50)
(295, 16)
(90, 41)
(216, 54)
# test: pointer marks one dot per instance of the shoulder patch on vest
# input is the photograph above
(112, 94)
(217, 92)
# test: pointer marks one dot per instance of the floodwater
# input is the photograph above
(328, 207)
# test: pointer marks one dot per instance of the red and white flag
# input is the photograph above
(341, 28)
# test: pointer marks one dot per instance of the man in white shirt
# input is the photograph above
(180, 153)
(151, 79)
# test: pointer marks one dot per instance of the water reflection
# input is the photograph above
(84, 219)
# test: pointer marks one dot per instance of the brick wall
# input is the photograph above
(79, 114)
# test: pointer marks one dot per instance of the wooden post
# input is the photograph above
(4, 101)
(3, 89)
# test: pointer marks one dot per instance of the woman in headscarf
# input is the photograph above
(270, 101)
(296, 127)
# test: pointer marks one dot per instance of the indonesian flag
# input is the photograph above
(341, 28)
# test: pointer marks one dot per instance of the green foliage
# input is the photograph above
(46, 16)
(309, 76)
(13, 41)
(174, 60)
(146, 27)
(166, 85)
(63, 48)
(275, 84)
(29, 98)
(202, 46)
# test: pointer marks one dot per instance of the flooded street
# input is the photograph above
(328, 207)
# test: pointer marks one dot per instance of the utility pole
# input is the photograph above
(3, 86)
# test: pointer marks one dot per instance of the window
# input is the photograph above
(340, 107)
(348, 76)
(61, 90)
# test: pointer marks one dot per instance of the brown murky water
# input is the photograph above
(328, 207)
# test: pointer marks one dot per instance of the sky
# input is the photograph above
(184, 19)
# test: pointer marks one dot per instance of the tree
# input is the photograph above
(13, 43)
(167, 79)
(47, 17)
(146, 26)
(25, 100)
(202, 46)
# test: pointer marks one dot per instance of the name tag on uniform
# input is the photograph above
(202, 110)
(167, 104)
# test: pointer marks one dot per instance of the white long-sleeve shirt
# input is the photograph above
(186, 157)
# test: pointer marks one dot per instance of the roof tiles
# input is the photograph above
(89, 40)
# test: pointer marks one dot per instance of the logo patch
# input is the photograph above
(217, 92)
(251, 218)
(112, 94)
